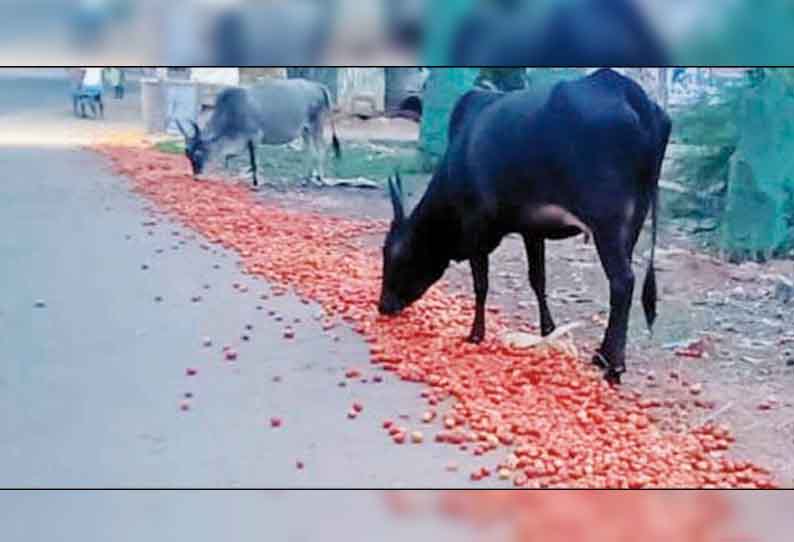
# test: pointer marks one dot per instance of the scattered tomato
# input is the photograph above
(537, 401)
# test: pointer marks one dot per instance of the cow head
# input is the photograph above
(196, 148)
(408, 269)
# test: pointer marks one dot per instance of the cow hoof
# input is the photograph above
(612, 372)
(475, 338)
(613, 377)
(545, 331)
(600, 361)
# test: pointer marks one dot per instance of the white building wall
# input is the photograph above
(216, 76)
(355, 83)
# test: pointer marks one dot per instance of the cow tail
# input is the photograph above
(334, 139)
(649, 294)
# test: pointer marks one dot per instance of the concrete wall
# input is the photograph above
(355, 83)
(216, 76)
(348, 84)
(249, 76)
(399, 83)
(165, 101)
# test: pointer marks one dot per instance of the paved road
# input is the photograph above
(91, 384)
(36, 110)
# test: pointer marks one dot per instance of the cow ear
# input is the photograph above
(396, 202)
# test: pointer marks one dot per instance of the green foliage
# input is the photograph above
(171, 147)
(711, 120)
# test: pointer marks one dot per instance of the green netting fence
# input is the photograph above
(444, 87)
(752, 126)
(758, 219)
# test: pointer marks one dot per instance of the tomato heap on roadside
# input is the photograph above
(546, 418)
(583, 516)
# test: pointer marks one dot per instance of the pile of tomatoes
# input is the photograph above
(563, 516)
(547, 418)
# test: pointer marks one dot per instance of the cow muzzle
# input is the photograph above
(389, 306)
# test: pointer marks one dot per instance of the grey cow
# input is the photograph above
(275, 112)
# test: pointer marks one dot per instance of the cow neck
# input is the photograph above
(429, 227)
(213, 143)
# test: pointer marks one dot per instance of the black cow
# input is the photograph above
(574, 33)
(585, 159)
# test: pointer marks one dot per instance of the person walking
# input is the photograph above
(116, 79)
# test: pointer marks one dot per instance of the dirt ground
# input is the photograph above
(722, 350)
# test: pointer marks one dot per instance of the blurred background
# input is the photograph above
(353, 516)
(396, 32)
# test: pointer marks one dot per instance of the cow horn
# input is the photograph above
(196, 128)
(396, 202)
(181, 128)
(400, 186)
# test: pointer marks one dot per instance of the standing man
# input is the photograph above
(115, 78)
(76, 76)
(92, 87)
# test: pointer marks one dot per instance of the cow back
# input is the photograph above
(468, 108)
(232, 116)
(284, 107)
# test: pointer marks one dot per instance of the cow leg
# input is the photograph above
(536, 260)
(252, 156)
(308, 154)
(479, 272)
(319, 149)
(315, 154)
(617, 265)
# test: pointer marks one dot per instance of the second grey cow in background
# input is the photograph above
(275, 112)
